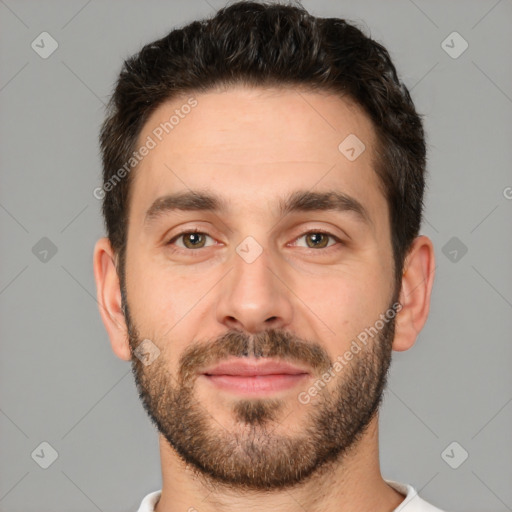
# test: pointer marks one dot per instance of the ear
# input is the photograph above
(108, 292)
(417, 282)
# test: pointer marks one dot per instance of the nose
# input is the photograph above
(254, 297)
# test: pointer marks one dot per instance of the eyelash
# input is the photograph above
(194, 231)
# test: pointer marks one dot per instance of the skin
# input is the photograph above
(253, 146)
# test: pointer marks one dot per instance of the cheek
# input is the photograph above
(169, 307)
(346, 302)
(158, 298)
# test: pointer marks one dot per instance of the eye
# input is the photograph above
(319, 239)
(191, 240)
(195, 239)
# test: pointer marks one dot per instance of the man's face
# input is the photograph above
(256, 284)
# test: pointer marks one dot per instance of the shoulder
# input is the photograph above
(149, 502)
(412, 502)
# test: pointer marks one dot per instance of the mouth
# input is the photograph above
(254, 377)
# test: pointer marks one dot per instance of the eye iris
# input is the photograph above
(193, 236)
(193, 240)
(316, 236)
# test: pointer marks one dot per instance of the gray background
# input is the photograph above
(59, 380)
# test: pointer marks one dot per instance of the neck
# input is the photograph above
(352, 483)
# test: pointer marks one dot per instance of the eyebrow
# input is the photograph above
(298, 201)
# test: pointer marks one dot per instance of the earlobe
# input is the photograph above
(108, 294)
(417, 282)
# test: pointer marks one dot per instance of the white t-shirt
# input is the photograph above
(412, 502)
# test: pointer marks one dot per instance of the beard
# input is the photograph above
(250, 455)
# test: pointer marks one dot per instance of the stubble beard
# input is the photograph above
(253, 454)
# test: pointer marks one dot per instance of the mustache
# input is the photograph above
(273, 343)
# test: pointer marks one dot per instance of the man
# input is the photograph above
(263, 194)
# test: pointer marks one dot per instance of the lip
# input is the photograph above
(254, 368)
(254, 377)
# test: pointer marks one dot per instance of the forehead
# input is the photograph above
(251, 144)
